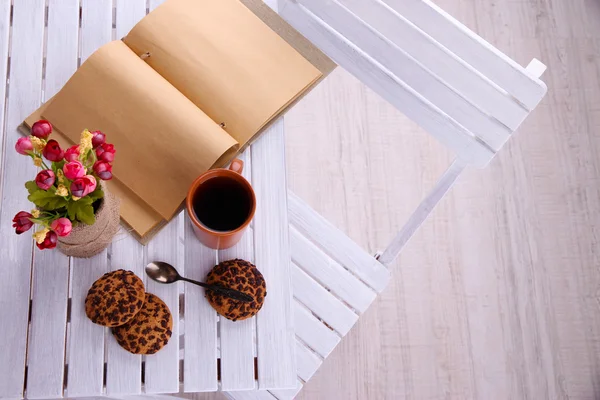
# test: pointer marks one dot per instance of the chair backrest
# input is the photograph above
(455, 85)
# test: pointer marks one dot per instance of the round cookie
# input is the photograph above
(149, 331)
(115, 298)
(239, 275)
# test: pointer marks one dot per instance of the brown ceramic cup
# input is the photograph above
(220, 204)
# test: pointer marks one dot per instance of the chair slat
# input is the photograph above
(24, 96)
(46, 344)
(317, 299)
(329, 273)
(308, 362)
(200, 365)
(287, 394)
(313, 332)
(274, 324)
(419, 77)
(484, 57)
(237, 341)
(86, 340)
(444, 64)
(336, 244)
(382, 81)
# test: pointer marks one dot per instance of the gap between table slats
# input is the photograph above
(419, 77)
(47, 335)
(24, 96)
(387, 85)
(484, 57)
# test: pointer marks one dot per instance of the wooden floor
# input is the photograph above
(498, 295)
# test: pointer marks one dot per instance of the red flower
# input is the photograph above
(62, 226)
(45, 179)
(52, 151)
(49, 241)
(98, 139)
(81, 187)
(23, 145)
(74, 170)
(104, 170)
(72, 153)
(22, 222)
(106, 152)
(41, 129)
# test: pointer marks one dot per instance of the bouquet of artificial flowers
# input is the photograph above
(66, 191)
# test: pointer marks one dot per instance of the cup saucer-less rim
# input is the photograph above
(215, 173)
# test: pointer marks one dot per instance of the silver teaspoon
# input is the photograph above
(162, 272)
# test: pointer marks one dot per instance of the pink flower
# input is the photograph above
(45, 179)
(41, 129)
(81, 187)
(74, 170)
(49, 242)
(98, 139)
(106, 152)
(62, 226)
(72, 153)
(52, 151)
(22, 222)
(104, 170)
(23, 145)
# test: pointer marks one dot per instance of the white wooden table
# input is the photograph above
(463, 91)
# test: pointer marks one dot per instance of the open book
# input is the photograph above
(189, 87)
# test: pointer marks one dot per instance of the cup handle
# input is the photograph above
(237, 165)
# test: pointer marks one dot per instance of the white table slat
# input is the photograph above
(237, 341)
(162, 368)
(24, 96)
(200, 365)
(96, 25)
(383, 82)
(335, 243)
(287, 394)
(313, 332)
(329, 273)
(86, 340)
(412, 73)
(490, 61)
(275, 325)
(128, 13)
(320, 301)
(124, 370)
(5, 22)
(308, 362)
(46, 344)
(455, 72)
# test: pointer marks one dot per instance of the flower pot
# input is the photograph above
(88, 240)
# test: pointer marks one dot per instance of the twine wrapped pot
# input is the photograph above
(88, 240)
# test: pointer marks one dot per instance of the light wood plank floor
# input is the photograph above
(498, 295)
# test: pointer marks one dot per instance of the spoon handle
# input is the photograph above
(231, 293)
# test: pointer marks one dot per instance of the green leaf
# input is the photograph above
(47, 199)
(82, 210)
(58, 165)
(31, 187)
(96, 194)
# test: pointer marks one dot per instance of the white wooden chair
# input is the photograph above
(443, 76)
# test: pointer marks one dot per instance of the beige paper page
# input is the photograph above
(163, 140)
(224, 59)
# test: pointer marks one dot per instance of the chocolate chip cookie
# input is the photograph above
(149, 331)
(239, 275)
(115, 298)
